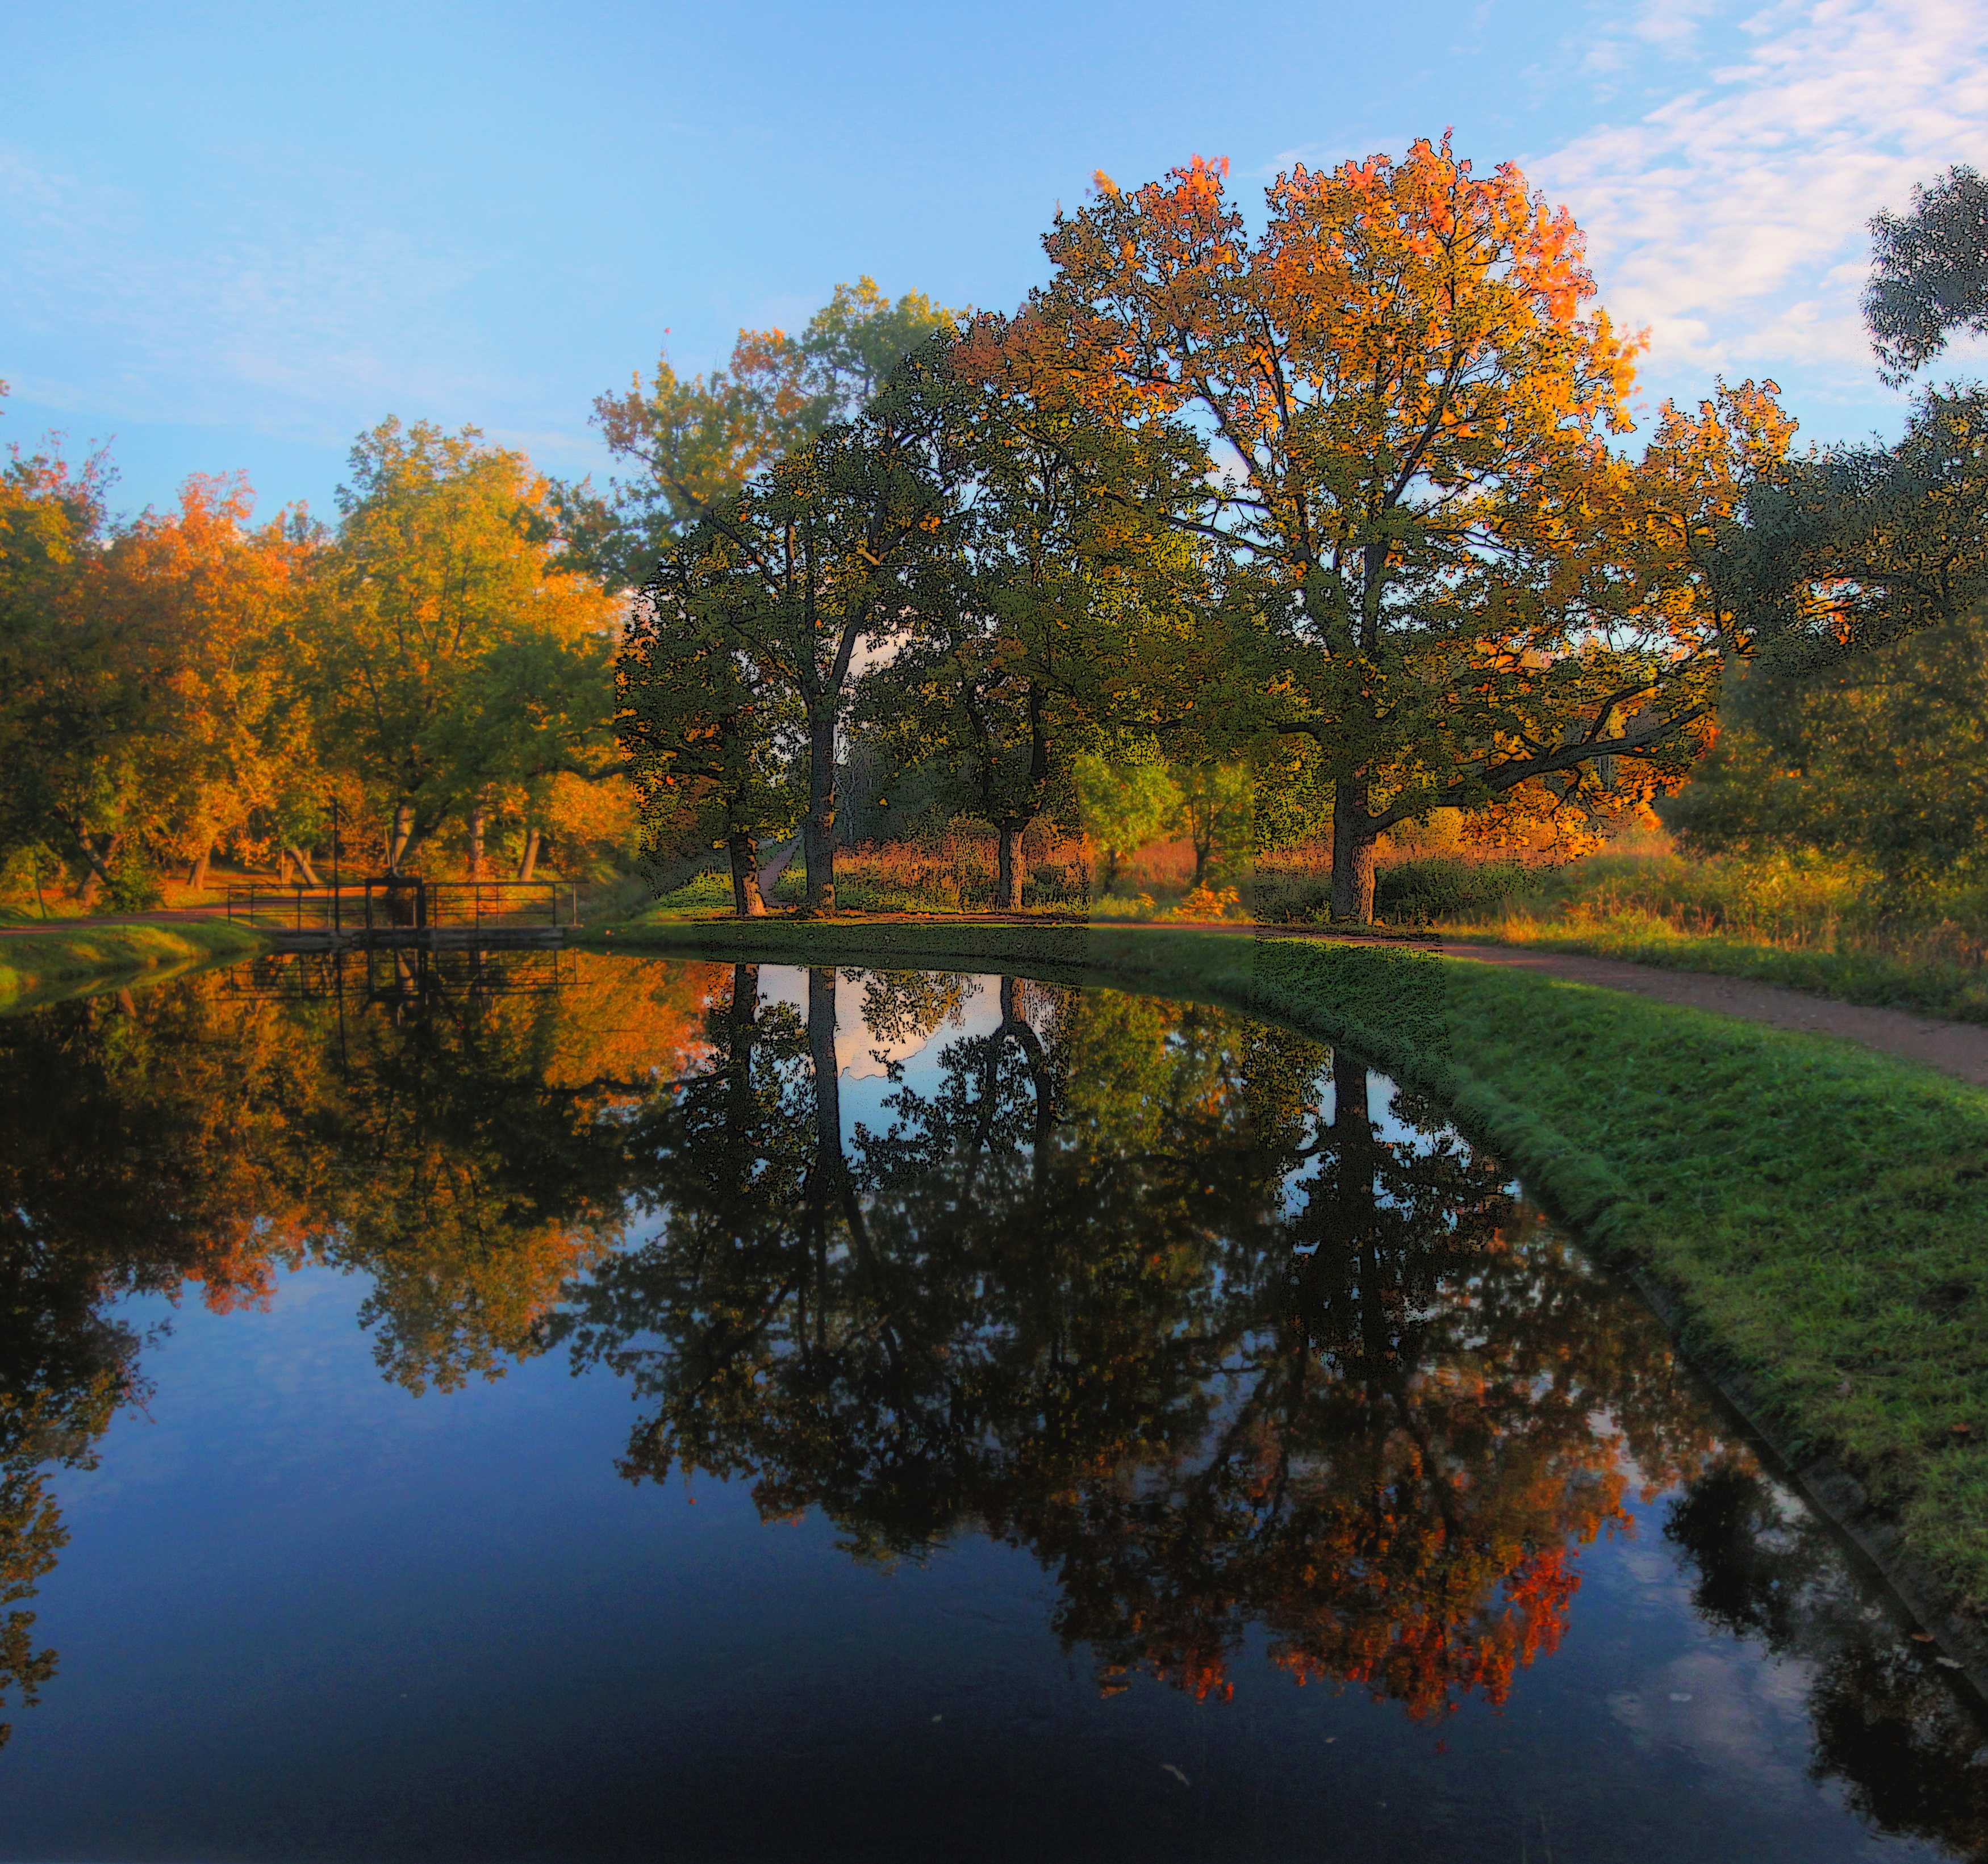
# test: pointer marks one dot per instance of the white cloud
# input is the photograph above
(1731, 220)
(284, 308)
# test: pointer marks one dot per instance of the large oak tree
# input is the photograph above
(1447, 581)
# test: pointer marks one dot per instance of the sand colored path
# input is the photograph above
(1958, 1048)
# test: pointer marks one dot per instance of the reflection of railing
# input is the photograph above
(400, 974)
(403, 902)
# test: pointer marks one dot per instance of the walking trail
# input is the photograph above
(1958, 1048)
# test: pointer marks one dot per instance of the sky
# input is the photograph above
(233, 237)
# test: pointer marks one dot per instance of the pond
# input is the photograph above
(551, 1406)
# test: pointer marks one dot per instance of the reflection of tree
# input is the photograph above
(1891, 1722)
(1142, 1289)
(468, 1159)
(1119, 1287)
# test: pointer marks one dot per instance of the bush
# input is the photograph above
(1289, 899)
(1417, 893)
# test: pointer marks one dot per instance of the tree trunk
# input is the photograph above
(96, 869)
(476, 821)
(827, 1075)
(305, 868)
(744, 1017)
(530, 858)
(818, 828)
(1352, 851)
(746, 900)
(197, 867)
(397, 844)
(1007, 886)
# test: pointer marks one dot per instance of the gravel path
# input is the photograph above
(1958, 1048)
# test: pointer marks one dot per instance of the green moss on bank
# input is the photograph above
(1820, 1212)
(35, 966)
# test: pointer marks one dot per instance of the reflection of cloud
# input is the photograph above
(1731, 1713)
(1731, 220)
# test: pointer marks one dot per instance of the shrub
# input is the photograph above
(1415, 892)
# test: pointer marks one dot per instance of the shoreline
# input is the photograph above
(38, 966)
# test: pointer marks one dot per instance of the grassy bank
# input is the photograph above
(37, 966)
(1820, 1212)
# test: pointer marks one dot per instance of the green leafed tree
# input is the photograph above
(1123, 803)
(693, 442)
(1057, 620)
(711, 738)
(1929, 273)
(1861, 574)
(819, 562)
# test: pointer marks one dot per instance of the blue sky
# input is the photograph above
(230, 237)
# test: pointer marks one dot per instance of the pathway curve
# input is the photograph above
(1958, 1048)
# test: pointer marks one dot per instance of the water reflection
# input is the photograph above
(1238, 1343)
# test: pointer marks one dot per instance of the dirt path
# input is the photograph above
(1958, 1048)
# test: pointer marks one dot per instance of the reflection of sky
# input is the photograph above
(863, 1057)
(303, 1614)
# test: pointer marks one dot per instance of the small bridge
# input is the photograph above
(405, 909)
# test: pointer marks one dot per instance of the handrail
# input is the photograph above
(410, 902)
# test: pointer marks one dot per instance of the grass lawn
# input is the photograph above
(1819, 1213)
(35, 966)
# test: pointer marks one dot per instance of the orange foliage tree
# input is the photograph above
(1440, 577)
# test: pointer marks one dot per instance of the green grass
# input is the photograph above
(1819, 1213)
(38, 967)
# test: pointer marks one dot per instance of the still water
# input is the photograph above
(576, 1408)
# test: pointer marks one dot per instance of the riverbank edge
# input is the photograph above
(1625, 1117)
(38, 968)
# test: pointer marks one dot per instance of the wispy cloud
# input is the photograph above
(1731, 219)
(279, 309)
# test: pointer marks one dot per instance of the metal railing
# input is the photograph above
(405, 902)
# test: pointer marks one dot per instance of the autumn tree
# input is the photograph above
(455, 656)
(695, 441)
(1405, 411)
(69, 710)
(216, 600)
(150, 707)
